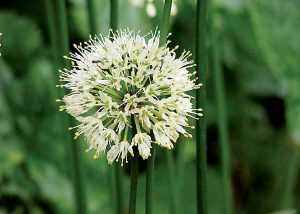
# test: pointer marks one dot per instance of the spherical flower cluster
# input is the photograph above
(125, 81)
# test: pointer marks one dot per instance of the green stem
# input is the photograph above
(149, 182)
(201, 156)
(292, 173)
(180, 169)
(134, 180)
(111, 188)
(164, 25)
(114, 14)
(63, 37)
(63, 32)
(92, 12)
(51, 22)
(172, 183)
(222, 119)
(119, 188)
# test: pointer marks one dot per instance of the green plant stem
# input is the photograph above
(222, 118)
(114, 14)
(134, 180)
(164, 25)
(201, 156)
(51, 23)
(63, 32)
(149, 182)
(119, 188)
(292, 173)
(63, 39)
(92, 13)
(180, 170)
(172, 183)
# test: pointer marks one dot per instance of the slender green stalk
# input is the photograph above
(92, 12)
(114, 14)
(201, 156)
(63, 39)
(63, 32)
(119, 188)
(51, 22)
(164, 25)
(292, 173)
(149, 182)
(134, 180)
(172, 183)
(180, 171)
(222, 119)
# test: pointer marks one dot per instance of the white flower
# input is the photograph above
(115, 79)
(143, 141)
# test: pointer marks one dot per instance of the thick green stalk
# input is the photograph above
(164, 25)
(119, 188)
(114, 14)
(93, 17)
(134, 180)
(222, 119)
(201, 156)
(292, 173)
(149, 182)
(63, 39)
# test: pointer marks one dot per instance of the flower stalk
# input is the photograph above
(114, 14)
(222, 118)
(201, 56)
(134, 172)
(92, 14)
(149, 182)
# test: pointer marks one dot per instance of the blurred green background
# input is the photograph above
(258, 44)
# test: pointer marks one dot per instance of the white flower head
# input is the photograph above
(126, 77)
